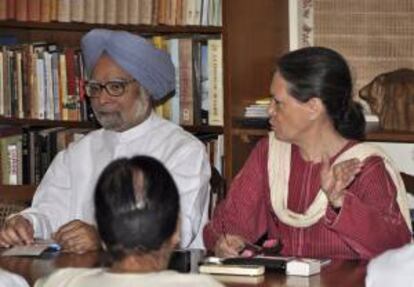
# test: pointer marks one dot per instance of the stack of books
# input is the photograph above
(258, 109)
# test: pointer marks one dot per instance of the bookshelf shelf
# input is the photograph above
(391, 136)
(83, 27)
(20, 193)
(252, 34)
(89, 125)
(204, 129)
(378, 135)
(45, 123)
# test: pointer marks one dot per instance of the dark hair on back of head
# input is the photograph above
(135, 212)
(323, 73)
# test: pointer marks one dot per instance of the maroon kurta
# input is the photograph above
(368, 223)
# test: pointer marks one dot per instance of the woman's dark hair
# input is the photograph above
(136, 205)
(323, 73)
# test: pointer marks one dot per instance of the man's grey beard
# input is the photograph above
(110, 121)
(115, 122)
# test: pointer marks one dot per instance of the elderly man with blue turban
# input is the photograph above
(126, 73)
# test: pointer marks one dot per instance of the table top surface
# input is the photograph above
(339, 273)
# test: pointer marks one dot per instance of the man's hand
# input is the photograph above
(77, 237)
(228, 246)
(335, 179)
(16, 231)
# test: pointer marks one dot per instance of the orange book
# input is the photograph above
(3, 9)
(11, 9)
(45, 10)
(54, 8)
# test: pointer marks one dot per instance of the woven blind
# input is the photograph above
(375, 36)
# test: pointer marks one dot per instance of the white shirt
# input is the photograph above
(98, 277)
(392, 268)
(66, 191)
(8, 279)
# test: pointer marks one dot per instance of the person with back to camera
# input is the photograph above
(392, 268)
(126, 74)
(137, 215)
(311, 184)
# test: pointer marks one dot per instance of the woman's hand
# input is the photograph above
(228, 246)
(335, 179)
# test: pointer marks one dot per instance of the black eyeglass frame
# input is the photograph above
(105, 86)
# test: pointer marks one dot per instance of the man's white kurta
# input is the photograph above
(66, 190)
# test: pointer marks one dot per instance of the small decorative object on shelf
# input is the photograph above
(391, 97)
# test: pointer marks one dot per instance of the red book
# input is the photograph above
(21, 10)
(11, 9)
(34, 10)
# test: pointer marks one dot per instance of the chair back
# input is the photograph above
(217, 189)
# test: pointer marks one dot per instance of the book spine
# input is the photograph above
(133, 12)
(3, 9)
(77, 11)
(215, 60)
(175, 101)
(186, 82)
(122, 12)
(45, 10)
(2, 83)
(145, 16)
(21, 10)
(63, 12)
(34, 10)
(110, 12)
(90, 11)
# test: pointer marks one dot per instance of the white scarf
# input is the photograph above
(279, 160)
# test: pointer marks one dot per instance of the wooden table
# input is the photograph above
(340, 273)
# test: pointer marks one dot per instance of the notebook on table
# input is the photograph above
(36, 249)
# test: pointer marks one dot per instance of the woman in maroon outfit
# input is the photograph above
(311, 184)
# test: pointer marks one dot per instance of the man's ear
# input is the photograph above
(315, 107)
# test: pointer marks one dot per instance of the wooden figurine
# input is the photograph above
(391, 97)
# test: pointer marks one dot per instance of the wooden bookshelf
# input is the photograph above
(391, 136)
(84, 27)
(4, 121)
(17, 193)
(204, 129)
(376, 136)
(254, 34)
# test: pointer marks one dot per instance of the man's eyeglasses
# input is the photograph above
(114, 88)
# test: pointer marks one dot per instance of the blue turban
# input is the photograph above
(151, 67)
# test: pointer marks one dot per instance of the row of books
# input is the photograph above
(43, 81)
(26, 153)
(40, 81)
(134, 12)
(198, 98)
